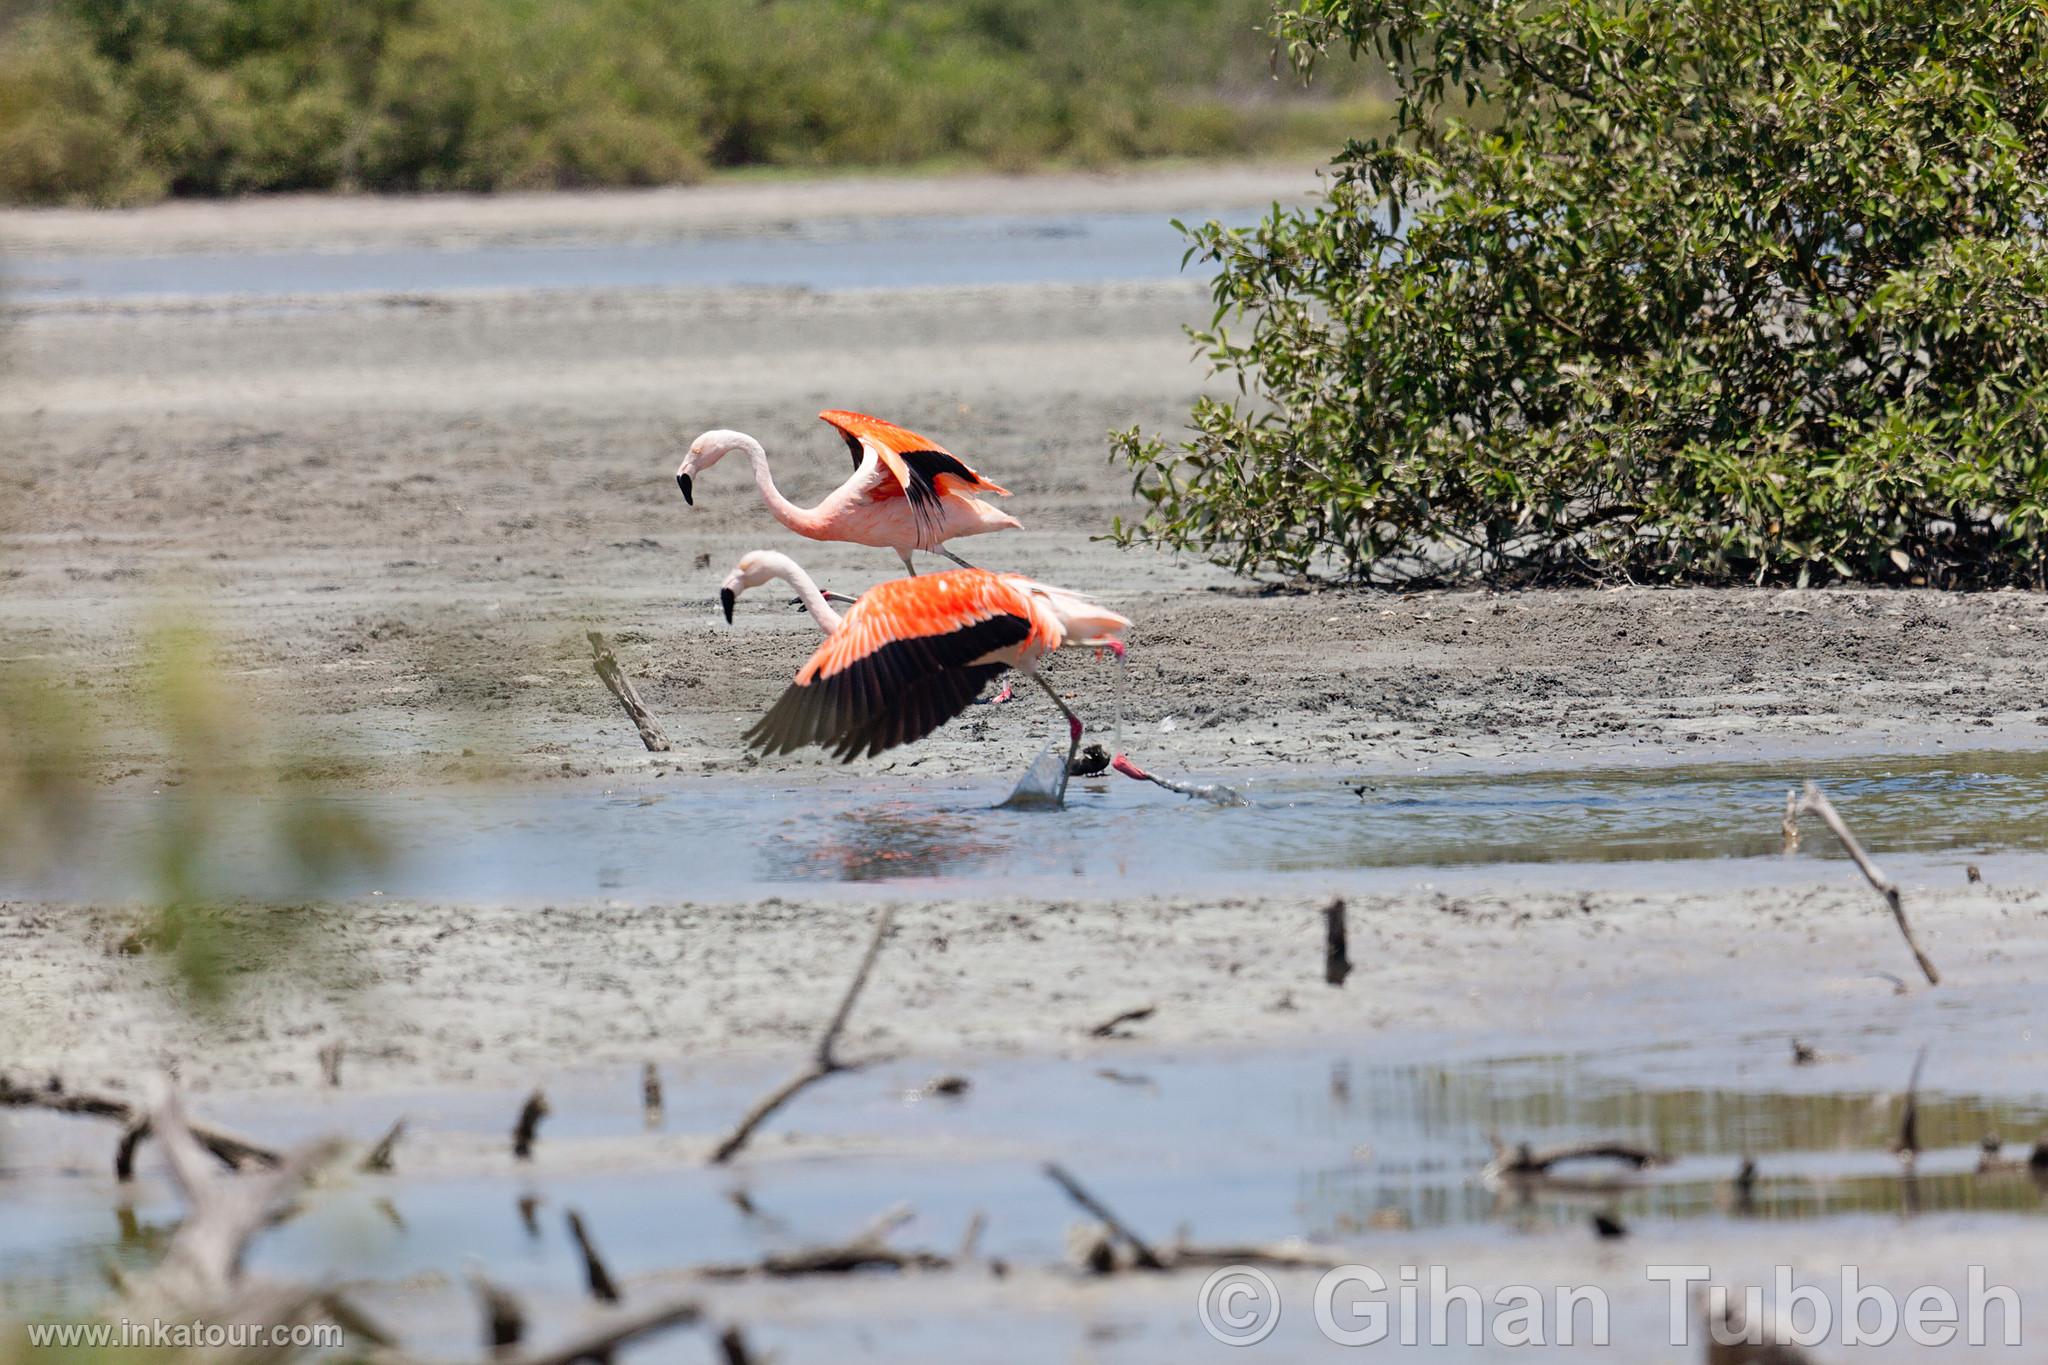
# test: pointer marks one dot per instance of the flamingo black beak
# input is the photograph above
(726, 597)
(683, 482)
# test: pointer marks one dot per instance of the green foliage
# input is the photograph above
(227, 785)
(1709, 291)
(122, 100)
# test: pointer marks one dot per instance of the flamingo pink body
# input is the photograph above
(907, 493)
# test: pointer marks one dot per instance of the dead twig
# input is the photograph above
(824, 1062)
(1113, 1026)
(1141, 1252)
(602, 1288)
(523, 1132)
(650, 1094)
(1816, 802)
(230, 1150)
(621, 687)
(504, 1319)
(378, 1161)
(867, 1249)
(608, 1332)
(1336, 944)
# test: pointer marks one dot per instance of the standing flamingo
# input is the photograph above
(912, 653)
(907, 492)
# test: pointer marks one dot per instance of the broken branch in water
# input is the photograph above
(228, 1149)
(1336, 944)
(379, 1159)
(867, 1249)
(1788, 827)
(621, 687)
(1816, 802)
(595, 1275)
(530, 1114)
(824, 1061)
(1141, 1252)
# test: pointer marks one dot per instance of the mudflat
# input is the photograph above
(398, 514)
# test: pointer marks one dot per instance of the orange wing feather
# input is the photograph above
(906, 659)
(924, 469)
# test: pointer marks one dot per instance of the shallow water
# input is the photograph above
(671, 839)
(1334, 1143)
(1089, 248)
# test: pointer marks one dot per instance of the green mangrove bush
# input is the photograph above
(112, 101)
(1652, 289)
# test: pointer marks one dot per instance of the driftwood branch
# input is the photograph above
(621, 687)
(1336, 943)
(1141, 1251)
(201, 1271)
(824, 1061)
(867, 1249)
(230, 1150)
(1814, 801)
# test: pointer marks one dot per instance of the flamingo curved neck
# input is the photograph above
(792, 573)
(802, 520)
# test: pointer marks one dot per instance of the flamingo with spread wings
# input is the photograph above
(912, 653)
(907, 493)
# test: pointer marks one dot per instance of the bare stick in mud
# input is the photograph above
(1141, 1251)
(621, 687)
(824, 1062)
(504, 1319)
(602, 1287)
(523, 1132)
(650, 1094)
(378, 1161)
(227, 1148)
(1336, 944)
(1113, 1027)
(1816, 802)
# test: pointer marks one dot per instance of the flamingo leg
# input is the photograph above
(1073, 732)
(955, 558)
(908, 567)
